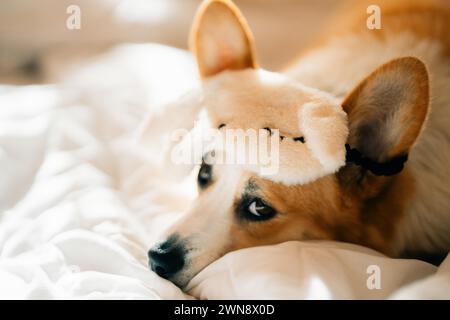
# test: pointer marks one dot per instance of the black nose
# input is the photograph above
(167, 258)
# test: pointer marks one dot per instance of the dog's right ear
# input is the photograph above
(221, 39)
(386, 113)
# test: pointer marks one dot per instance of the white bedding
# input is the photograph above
(81, 202)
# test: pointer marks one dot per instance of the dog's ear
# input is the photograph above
(221, 39)
(386, 110)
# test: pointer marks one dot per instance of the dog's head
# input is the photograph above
(327, 198)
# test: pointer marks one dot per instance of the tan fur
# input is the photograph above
(339, 208)
(349, 216)
(386, 103)
(425, 18)
(309, 211)
(326, 210)
(397, 16)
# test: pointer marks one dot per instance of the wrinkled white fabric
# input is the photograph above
(306, 270)
(81, 202)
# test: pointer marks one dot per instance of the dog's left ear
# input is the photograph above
(221, 39)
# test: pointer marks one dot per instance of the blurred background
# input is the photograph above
(37, 47)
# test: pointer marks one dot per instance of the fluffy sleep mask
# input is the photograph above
(311, 127)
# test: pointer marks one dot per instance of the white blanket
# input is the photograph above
(81, 202)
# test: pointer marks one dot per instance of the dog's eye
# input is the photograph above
(258, 210)
(204, 175)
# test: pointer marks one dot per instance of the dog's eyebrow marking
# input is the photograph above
(221, 125)
(250, 187)
(301, 139)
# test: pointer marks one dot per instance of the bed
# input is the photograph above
(82, 201)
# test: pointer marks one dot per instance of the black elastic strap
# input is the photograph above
(388, 168)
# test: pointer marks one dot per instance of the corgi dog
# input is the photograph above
(390, 86)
